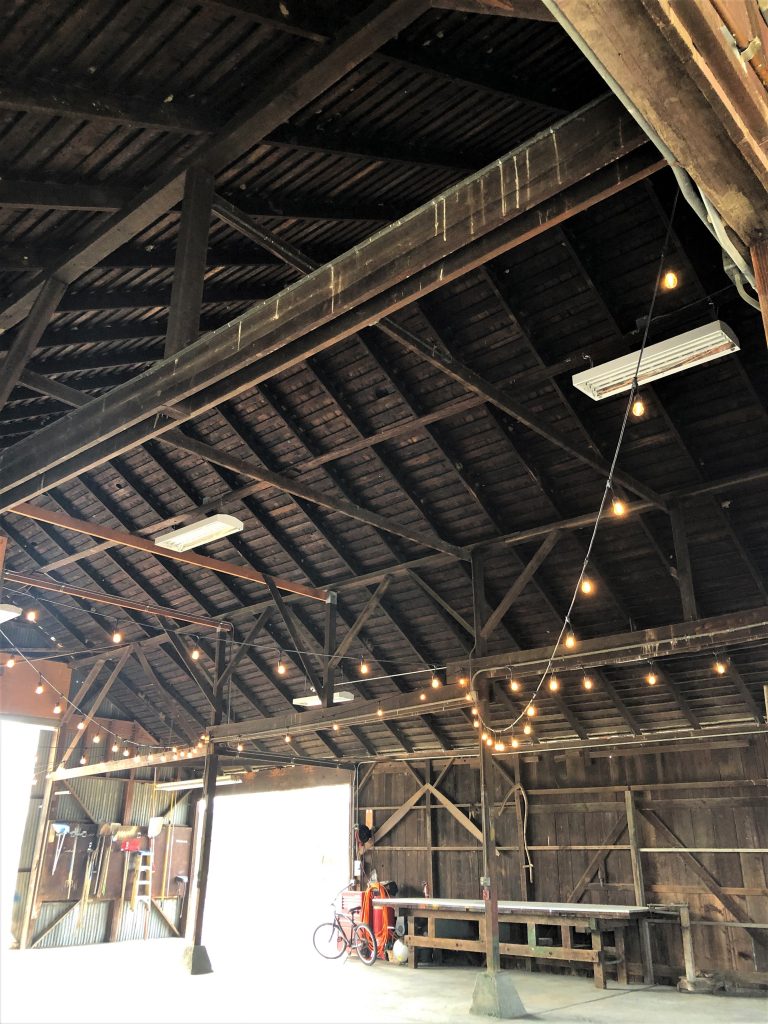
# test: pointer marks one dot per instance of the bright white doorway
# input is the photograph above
(277, 860)
(18, 749)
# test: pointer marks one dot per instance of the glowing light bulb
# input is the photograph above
(527, 729)
(468, 696)
(163, 758)
(587, 586)
(10, 663)
(484, 737)
(514, 685)
(364, 669)
(174, 750)
(476, 723)
(126, 752)
(195, 655)
(115, 748)
(287, 737)
(463, 681)
(618, 507)
(587, 683)
(335, 727)
(498, 746)
(670, 280)
(117, 637)
(57, 708)
(554, 684)
(570, 641)
(515, 744)
(638, 408)
(720, 667)
(239, 748)
(83, 759)
(380, 712)
(280, 667)
(530, 711)
(31, 615)
(489, 742)
(39, 689)
(96, 738)
(651, 679)
(137, 757)
(81, 726)
(475, 711)
(435, 682)
(422, 696)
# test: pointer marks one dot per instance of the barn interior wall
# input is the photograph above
(713, 799)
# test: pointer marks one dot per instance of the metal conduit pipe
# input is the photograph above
(682, 177)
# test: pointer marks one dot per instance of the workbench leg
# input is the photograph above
(646, 952)
(599, 968)
(621, 967)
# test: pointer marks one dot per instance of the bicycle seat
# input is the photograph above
(354, 910)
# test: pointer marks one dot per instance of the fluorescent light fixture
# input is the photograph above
(203, 532)
(339, 697)
(221, 780)
(8, 612)
(702, 344)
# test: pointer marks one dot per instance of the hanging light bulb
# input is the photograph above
(115, 748)
(287, 737)
(174, 750)
(463, 681)
(31, 615)
(476, 723)
(364, 669)
(436, 681)
(239, 748)
(587, 586)
(137, 756)
(498, 746)
(195, 655)
(570, 641)
(530, 711)
(83, 759)
(468, 696)
(57, 708)
(527, 729)
(280, 666)
(670, 280)
(422, 696)
(81, 725)
(39, 689)
(117, 636)
(96, 738)
(475, 711)
(587, 682)
(163, 758)
(651, 679)
(11, 662)
(720, 667)
(126, 752)
(618, 507)
(638, 408)
(489, 742)
(515, 685)
(515, 744)
(380, 712)
(484, 737)
(335, 726)
(554, 684)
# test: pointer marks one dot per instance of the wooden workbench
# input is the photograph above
(593, 919)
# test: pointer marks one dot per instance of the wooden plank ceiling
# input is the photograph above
(105, 99)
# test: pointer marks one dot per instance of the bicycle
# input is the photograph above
(331, 941)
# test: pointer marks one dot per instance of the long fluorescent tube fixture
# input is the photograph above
(701, 345)
(203, 532)
(313, 701)
(8, 612)
(180, 784)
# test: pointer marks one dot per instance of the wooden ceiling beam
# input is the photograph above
(17, 194)
(529, 10)
(294, 85)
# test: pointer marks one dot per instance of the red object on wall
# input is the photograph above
(132, 845)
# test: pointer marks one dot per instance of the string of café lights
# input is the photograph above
(489, 734)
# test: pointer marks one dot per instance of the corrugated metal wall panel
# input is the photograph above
(134, 924)
(30, 831)
(76, 929)
(19, 899)
(101, 797)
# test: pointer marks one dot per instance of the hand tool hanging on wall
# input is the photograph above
(75, 836)
(61, 829)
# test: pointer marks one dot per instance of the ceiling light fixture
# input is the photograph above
(194, 535)
(313, 701)
(693, 348)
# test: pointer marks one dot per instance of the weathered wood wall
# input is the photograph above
(713, 800)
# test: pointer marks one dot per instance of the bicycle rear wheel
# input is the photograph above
(365, 944)
(329, 941)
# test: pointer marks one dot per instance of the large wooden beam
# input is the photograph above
(519, 585)
(530, 10)
(587, 140)
(760, 267)
(97, 702)
(25, 342)
(371, 605)
(290, 89)
(659, 51)
(132, 540)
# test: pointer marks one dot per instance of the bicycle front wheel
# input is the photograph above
(329, 941)
(365, 944)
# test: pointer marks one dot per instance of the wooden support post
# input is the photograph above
(25, 342)
(683, 560)
(329, 646)
(639, 884)
(526, 885)
(759, 252)
(189, 269)
(490, 861)
(116, 909)
(195, 956)
(687, 935)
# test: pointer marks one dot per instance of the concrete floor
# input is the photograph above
(145, 982)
